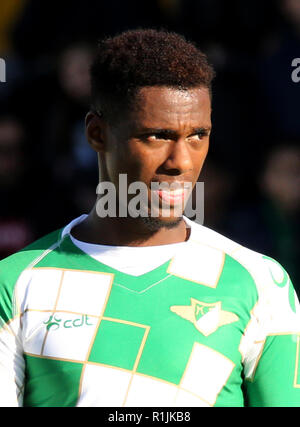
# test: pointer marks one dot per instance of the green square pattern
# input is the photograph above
(51, 383)
(117, 344)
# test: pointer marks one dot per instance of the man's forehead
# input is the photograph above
(147, 96)
(162, 104)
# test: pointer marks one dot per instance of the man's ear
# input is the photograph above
(94, 131)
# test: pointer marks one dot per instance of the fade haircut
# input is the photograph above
(144, 58)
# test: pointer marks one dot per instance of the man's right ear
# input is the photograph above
(94, 130)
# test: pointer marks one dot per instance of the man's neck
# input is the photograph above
(127, 232)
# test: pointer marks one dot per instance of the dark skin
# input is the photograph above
(164, 139)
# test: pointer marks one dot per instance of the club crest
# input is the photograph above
(206, 317)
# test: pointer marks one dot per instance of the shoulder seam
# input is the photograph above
(42, 255)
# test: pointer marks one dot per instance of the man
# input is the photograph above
(144, 307)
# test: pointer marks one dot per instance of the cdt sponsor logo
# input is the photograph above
(54, 322)
(296, 72)
(2, 70)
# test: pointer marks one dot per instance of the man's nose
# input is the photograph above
(179, 158)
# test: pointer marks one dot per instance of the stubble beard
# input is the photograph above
(153, 224)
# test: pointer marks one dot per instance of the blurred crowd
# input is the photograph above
(48, 172)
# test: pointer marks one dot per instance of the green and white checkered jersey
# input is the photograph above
(215, 324)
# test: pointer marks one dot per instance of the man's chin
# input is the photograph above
(154, 224)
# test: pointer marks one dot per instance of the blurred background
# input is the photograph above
(48, 173)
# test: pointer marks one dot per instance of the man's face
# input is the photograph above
(164, 140)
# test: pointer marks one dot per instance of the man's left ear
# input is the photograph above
(94, 127)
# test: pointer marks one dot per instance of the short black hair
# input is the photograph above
(143, 58)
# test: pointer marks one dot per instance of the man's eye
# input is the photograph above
(153, 137)
(157, 137)
(199, 135)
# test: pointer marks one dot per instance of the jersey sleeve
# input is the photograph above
(271, 362)
(11, 353)
(15, 273)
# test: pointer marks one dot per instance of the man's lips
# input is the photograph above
(175, 196)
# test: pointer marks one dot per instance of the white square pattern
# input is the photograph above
(113, 387)
(199, 263)
(70, 342)
(38, 288)
(62, 311)
(206, 373)
(84, 292)
(103, 386)
(34, 330)
(146, 391)
(184, 398)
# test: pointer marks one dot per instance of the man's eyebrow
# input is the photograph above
(201, 129)
(157, 131)
(171, 132)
